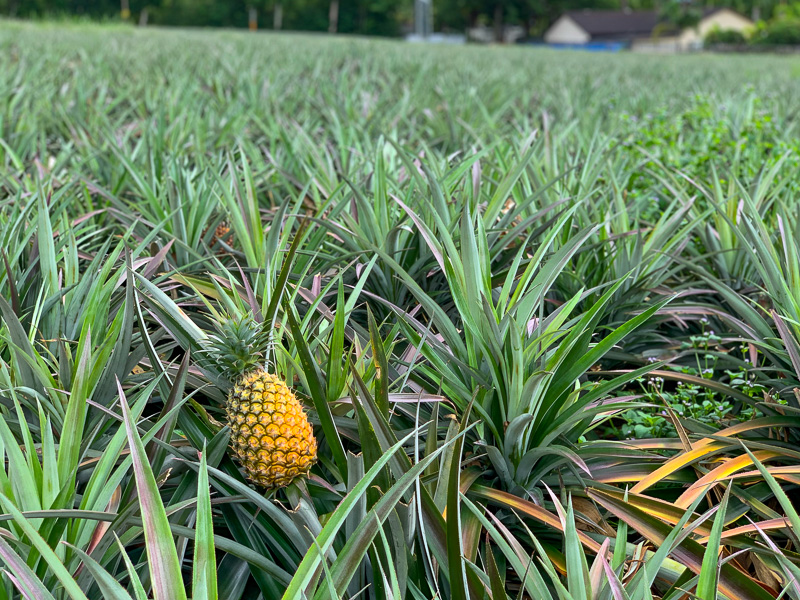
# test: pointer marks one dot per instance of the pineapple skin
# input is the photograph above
(271, 434)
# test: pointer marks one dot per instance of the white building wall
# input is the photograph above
(566, 31)
(657, 45)
(723, 19)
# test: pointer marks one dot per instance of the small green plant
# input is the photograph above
(688, 399)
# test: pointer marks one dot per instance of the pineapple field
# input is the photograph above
(298, 317)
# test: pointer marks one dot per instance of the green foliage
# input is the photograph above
(682, 14)
(724, 36)
(783, 29)
(780, 32)
(239, 344)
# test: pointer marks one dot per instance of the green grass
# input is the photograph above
(482, 266)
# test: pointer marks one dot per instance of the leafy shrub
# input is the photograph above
(784, 32)
(724, 36)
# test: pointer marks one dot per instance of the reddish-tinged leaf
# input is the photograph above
(721, 473)
(162, 557)
(732, 582)
(529, 509)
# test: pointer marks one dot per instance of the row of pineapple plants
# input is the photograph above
(533, 491)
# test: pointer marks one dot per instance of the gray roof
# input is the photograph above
(616, 23)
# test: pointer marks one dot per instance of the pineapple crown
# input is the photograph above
(239, 344)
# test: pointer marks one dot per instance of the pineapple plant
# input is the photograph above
(270, 432)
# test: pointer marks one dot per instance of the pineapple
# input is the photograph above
(222, 233)
(270, 432)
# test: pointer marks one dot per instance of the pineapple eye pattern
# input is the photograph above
(272, 437)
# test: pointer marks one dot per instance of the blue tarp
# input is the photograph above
(588, 47)
(594, 46)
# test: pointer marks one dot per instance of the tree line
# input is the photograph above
(364, 17)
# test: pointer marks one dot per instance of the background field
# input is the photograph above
(447, 96)
(588, 261)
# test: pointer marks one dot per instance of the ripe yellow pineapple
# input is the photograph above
(270, 432)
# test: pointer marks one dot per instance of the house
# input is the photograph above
(593, 26)
(638, 30)
(713, 18)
